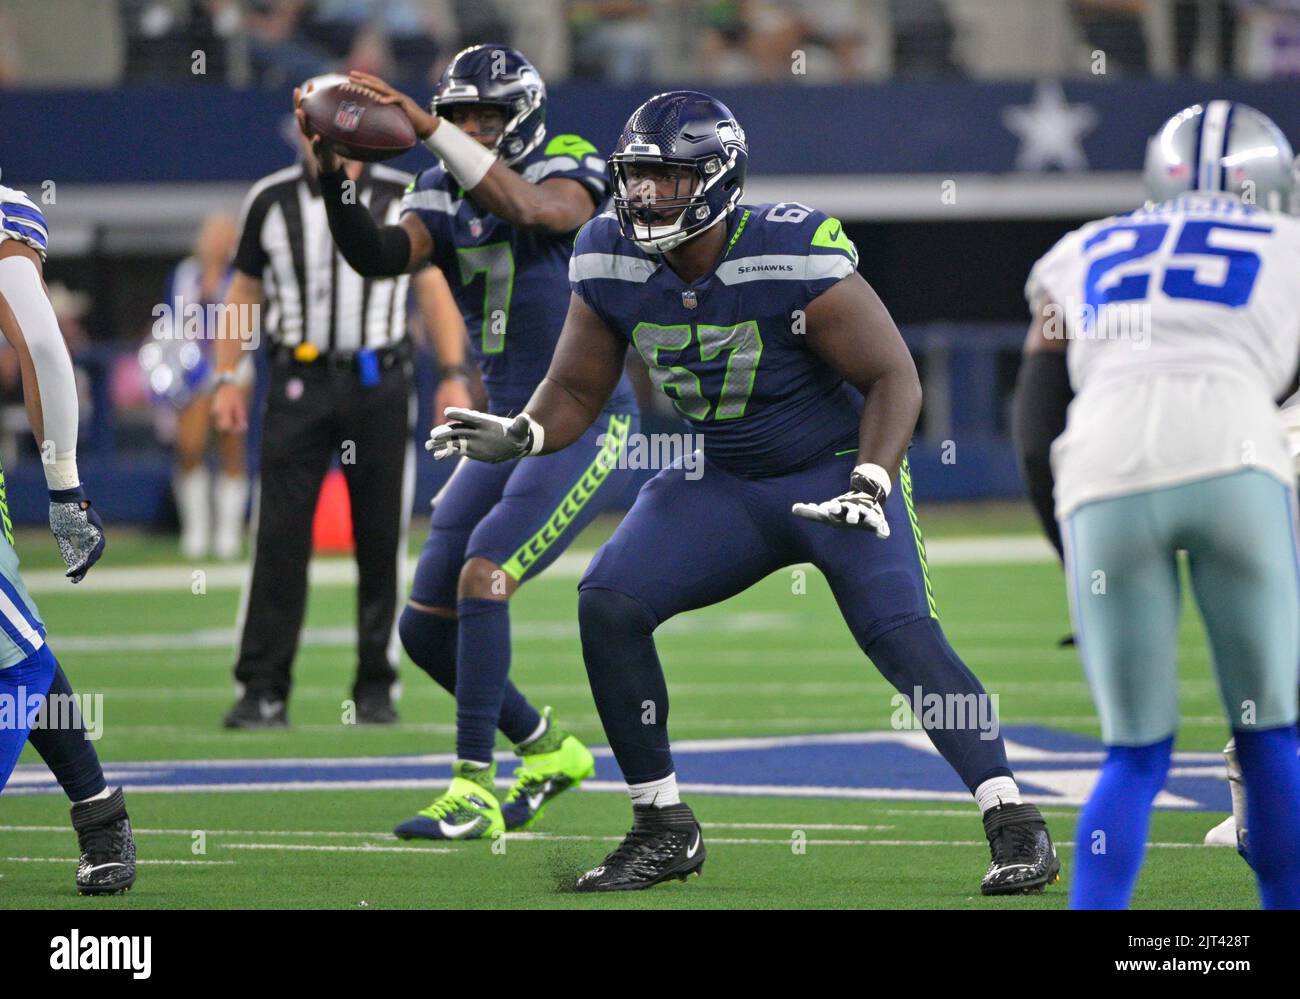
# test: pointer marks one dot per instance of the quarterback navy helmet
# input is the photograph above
(1221, 147)
(497, 76)
(678, 169)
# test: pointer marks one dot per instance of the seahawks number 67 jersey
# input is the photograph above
(729, 349)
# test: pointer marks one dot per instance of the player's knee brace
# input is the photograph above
(430, 641)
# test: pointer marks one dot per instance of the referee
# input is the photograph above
(340, 386)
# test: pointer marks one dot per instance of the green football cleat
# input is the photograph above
(467, 810)
(552, 763)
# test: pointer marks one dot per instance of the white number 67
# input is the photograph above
(789, 211)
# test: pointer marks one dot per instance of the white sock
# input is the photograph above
(232, 497)
(656, 792)
(997, 791)
(1237, 787)
(96, 797)
(194, 511)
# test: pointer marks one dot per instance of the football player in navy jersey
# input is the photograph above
(754, 321)
(498, 216)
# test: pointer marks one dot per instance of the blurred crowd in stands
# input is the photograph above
(273, 43)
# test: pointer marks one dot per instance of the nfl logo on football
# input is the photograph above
(348, 116)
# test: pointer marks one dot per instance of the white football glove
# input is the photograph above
(484, 437)
(862, 506)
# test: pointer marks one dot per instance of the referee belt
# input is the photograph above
(308, 355)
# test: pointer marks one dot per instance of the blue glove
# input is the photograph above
(77, 529)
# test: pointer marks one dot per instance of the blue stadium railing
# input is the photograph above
(962, 450)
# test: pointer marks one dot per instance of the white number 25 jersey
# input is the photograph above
(1183, 327)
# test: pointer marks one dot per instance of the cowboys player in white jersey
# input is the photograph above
(1183, 325)
(30, 677)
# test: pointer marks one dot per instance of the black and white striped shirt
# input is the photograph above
(311, 294)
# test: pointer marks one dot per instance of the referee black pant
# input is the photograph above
(314, 413)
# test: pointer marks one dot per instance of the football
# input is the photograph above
(350, 116)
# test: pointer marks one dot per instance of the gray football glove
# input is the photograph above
(77, 529)
(484, 437)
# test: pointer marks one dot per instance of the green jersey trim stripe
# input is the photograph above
(583, 490)
(5, 520)
(736, 235)
(905, 483)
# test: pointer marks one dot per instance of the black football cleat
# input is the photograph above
(664, 843)
(107, 864)
(257, 711)
(1023, 860)
(376, 709)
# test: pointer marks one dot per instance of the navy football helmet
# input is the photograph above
(678, 169)
(499, 76)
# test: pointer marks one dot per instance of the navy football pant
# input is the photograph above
(688, 544)
(521, 516)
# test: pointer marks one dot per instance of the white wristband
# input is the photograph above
(464, 158)
(61, 473)
(539, 435)
(874, 473)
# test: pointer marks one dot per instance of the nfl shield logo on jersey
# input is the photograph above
(348, 116)
(476, 228)
(688, 298)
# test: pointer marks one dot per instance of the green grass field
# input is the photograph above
(773, 662)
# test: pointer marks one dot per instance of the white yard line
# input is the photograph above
(65, 860)
(544, 837)
(179, 579)
(318, 848)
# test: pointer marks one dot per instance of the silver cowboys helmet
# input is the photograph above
(1222, 147)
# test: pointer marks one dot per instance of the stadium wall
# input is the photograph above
(932, 181)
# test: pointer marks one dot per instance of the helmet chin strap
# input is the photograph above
(670, 241)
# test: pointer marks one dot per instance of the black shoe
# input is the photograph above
(1023, 858)
(664, 843)
(107, 864)
(257, 711)
(376, 709)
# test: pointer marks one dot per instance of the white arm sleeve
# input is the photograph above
(464, 158)
(20, 284)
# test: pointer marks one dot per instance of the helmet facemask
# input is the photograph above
(661, 203)
(523, 114)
